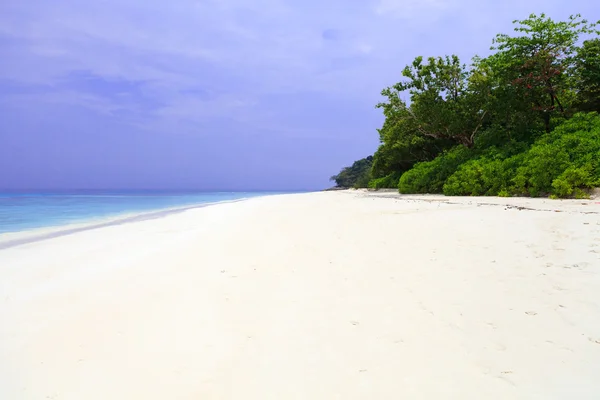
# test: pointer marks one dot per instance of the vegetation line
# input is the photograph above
(521, 122)
(506, 206)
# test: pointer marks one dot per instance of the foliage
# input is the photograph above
(446, 103)
(487, 175)
(401, 145)
(573, 179)
(566, 160)
(357, 175)
(386, 182)
(587, 74)
(521, 121)
(538, 63)
(563, 164)
(429, 177)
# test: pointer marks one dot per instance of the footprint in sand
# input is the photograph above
(500, 347)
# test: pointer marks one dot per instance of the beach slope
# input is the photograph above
(337, 295)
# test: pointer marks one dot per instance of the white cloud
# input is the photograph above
(234, 49)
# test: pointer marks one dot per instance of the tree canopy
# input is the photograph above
(482, 127)
(357, 175)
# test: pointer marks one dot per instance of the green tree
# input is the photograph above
(445, 102)
(506, 124)
(401, 143)
(537, 63)
(357, 175)
(587, 72)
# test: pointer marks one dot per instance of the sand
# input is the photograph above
(337, 295)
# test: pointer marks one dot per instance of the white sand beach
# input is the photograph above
(334, 295)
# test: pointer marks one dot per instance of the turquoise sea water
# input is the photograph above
(21, 211)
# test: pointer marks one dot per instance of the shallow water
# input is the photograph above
(20, 211)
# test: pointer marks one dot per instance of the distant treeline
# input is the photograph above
(522, 121)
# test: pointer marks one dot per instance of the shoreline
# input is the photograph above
(24, 237)
(313, 296)
(18, 238)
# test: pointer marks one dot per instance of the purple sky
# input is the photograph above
(216, 94)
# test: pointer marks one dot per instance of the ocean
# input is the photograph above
(20, 211)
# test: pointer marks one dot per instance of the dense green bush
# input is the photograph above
(540, 166)
(563, 163)
(387, 182)
(430, 176)
(505, 125)
(487, 175)
(574, 179)
(474, 178)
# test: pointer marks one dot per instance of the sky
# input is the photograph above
(217, 94)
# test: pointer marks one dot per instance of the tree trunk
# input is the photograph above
(547, 122)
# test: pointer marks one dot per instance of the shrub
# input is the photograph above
(564, 161)
(487, 175)
(540, 166)
(430, 176)
(389, 181)
(573, 179)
